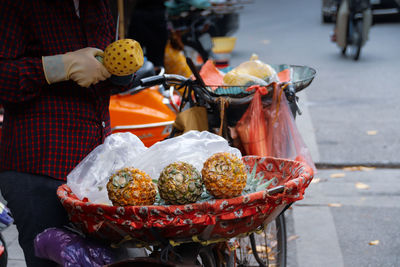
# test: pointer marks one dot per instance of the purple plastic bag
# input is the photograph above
(70, 249)
(5, 217)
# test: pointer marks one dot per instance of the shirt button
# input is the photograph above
(103, 124)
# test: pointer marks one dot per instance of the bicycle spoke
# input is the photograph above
(268, 247)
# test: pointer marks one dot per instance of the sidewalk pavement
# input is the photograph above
(348, 217)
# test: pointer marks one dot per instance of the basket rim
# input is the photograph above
(65, 193)
(116, 223)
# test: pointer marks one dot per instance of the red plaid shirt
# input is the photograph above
(49, 129)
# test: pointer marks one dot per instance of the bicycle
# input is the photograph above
(274, 236)
(249, 216)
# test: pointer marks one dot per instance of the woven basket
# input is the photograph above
(206, 221)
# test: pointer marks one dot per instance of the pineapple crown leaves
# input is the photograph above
(256, 182)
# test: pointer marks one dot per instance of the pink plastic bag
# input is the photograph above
(271, 130)
(284, 139)
(252, 128)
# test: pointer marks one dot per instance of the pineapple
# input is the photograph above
(131, 187)
(224, 175)
(123, 57)
(180, 183)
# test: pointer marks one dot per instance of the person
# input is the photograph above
(148, 26)
(55, 96)
(352, 6)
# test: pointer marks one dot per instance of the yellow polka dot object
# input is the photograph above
(123, 57)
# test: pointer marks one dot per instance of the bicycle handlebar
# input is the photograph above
(173, 79)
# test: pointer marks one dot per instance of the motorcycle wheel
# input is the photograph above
(344, 50)
(356, 39)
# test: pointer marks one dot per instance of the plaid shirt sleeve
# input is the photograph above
(21, 77)
(49, 129)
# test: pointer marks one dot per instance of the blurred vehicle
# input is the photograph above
(352, 26)
(195, 26)
(148, 113)
(379, 7)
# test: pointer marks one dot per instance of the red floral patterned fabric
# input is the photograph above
(215, 219)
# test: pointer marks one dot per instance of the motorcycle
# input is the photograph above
(193, 28)
(148, 113)
(354, 20)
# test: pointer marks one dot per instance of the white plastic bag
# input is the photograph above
(89, 178)
(193, 147)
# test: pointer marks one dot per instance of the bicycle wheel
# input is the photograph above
(265, 249)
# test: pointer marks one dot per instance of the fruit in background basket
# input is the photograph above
(240, 79)
(224, 175)
(123, 57)
(180, 183)
(131, 187)
(251, 72)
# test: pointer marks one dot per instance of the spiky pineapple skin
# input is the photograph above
(123, 57)
(180, 183)
(131, 187)
(224, 175)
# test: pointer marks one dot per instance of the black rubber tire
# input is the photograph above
(344, 50)
(358, 26)
(208, 258)
(282, 240)
(280, 235)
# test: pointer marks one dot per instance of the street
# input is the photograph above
(350, 118)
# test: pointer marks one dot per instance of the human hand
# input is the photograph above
(80, 66)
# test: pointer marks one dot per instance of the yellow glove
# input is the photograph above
(80, 66)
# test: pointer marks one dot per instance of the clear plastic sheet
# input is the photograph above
(89, 178)
(193, 147)
(70, 249)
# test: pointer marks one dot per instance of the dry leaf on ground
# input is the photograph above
(293, 237)
(315, 180)
(362, 186)
(374, 243)
(335, 205)
(359, 168)
(372, 132)
(338, 175)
